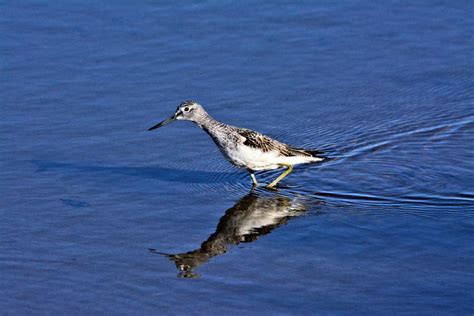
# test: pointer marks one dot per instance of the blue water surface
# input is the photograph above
(99, 216)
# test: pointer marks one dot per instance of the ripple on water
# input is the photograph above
(410, 167)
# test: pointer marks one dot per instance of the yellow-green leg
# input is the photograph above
(284, 174)
(254, 180)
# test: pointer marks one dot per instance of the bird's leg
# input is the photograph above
(254, 180)
(284, 174)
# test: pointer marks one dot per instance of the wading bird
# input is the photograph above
(243, 147)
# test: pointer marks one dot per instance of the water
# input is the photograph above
(100, 216)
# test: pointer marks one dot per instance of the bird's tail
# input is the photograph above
(319, 154)
(312, 153)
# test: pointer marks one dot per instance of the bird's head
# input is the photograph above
(187, 110)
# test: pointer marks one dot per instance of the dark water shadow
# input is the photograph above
(170, 174)
(158, 173)
(256, 214)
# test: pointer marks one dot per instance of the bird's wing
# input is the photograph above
(257, 140)
(265, 143)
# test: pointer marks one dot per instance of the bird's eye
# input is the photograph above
(186, 109)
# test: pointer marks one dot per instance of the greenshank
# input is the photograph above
(243, 147)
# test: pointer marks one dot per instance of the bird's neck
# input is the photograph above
(205, 121)
(210, 125)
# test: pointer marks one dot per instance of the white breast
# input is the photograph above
(256, 159)
(253, 158)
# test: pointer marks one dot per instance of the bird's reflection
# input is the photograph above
(256, 214)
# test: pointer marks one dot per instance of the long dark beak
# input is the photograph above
(168, 120)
